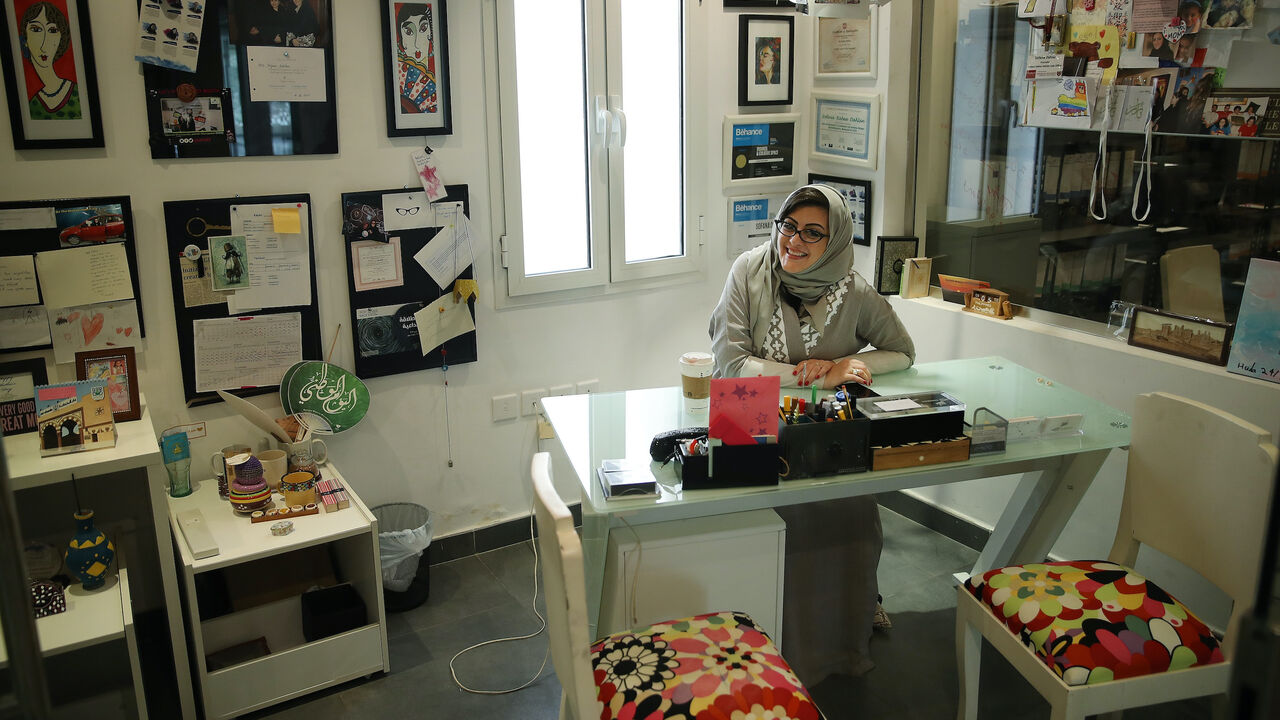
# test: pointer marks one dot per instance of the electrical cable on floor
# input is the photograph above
(635, 574)
(534, 634)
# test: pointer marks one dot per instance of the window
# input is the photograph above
(594, 132)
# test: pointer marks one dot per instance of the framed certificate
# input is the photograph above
(845, 129)
(760, 149)
(845, 48)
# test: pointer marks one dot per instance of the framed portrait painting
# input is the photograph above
(51, 83)
(119, 368)
(18, 381)
(766, 58)
(857, 194)
(415, 43)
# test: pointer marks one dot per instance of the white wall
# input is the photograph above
(398, 453)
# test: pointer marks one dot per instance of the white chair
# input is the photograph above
(1093, 637)
(680, 667)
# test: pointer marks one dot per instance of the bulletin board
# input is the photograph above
(256, 90)
(77, 229)
(200, 310)
(384, 333)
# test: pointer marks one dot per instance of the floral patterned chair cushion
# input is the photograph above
(718, 666)
(1094, 621)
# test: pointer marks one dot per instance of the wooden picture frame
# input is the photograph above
(857, 194)
(18, 381)
(416, 69)
(119, 367)
(892, 254)
(70, 116)
(766, 59)
(1182, 335)
(760, 150)
(846, 128)
(845, 48)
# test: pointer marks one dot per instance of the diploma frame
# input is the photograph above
(866, 30)
(778, 126)
(775, 35)
(834, 145)
(437, 121)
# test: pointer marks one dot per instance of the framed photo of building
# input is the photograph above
(845, 129)
(845, 48)
(51, 84)
(760, 150)
(857, 194)
(766, 59)
(119, 367)
(1181, 335)
(415, 43)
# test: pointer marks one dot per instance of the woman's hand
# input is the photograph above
(809, 371)
(846, 371)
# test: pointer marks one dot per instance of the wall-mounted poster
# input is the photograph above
(760, 149)
(415, 43)
(845, 129)
(50, 82)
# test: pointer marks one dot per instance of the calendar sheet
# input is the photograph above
(246, 352)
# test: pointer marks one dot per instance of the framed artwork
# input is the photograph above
(51, 85)
(415, 46)
(119, 368)
(766, 58)
(857, 193)
(18, 381)
(891, 257)
(1181, 335)
(1255, 349)
(845, 48)
(845, 129)
(760, 149)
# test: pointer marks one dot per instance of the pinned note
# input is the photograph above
(442, 321)
(286, 221)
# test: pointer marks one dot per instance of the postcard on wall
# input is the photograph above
(1100, 45)
(197, 287)
(84, 275)
(169, 34)
(407, 211)
(18, 280)
(1255, 349)
(91, 224)
(441, 321)
(229, 256)
(387, 330)
(376, 265)
(245, 352)
(291, 74)
(22, 327)
(36, 218)
(1061, 103)
(447, 254)
(73, 417)
(93, 327)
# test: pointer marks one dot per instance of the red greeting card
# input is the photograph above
(742, 408)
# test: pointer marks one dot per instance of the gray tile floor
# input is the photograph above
(488, 596)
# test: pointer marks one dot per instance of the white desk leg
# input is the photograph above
(1038, 510)
(131, 643)
(157, 480)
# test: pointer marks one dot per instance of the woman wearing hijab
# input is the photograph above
(794, 307)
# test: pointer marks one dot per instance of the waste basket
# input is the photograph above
(404, 532)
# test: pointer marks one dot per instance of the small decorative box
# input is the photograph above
(47, 598)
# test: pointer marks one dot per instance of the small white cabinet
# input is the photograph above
(294, 666)
(681, 568)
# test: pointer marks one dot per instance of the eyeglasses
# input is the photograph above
(786, 228)
(409, 210)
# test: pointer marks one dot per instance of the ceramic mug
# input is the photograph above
(218, 461)
(275, 463)
(314, 451)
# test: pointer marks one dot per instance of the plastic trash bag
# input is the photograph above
(404, 532)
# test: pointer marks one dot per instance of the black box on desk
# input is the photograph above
(734, 466)
(330, 611)
(825, 448)
(913, 417)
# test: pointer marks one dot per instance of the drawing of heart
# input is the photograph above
(128, 331)
(92, 326)
(72, 317)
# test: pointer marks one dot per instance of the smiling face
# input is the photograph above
(797, 255)
(44, 37)
(415, 35)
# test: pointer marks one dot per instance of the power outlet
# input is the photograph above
(505, 407)
(531, 401)
(558, 390)
(588, 386)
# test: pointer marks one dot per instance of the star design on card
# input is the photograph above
(741, 392)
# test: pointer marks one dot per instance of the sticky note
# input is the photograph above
(286, 220)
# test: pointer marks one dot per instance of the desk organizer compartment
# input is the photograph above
(826, 448)
(930, 452)
(935, 416)
(735, 466)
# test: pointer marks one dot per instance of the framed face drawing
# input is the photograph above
(415, 44)
(50, 81)
(766, 57)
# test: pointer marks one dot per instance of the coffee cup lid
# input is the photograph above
(697, 358)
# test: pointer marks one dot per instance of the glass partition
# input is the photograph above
(1008, 200)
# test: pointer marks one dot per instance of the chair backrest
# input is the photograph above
(1198, 488)
(565, 586)
(1191, 280)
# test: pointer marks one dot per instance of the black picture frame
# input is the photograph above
(857, 193)
(17, 409)
(892, 253)
(1175, 341)
(756, 35)
(69, 131)
(425, 121)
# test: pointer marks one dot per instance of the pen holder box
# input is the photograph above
(912, 417)
(825, 448)
(735, 466)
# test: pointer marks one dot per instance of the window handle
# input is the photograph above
(603, 117)
(620, 126)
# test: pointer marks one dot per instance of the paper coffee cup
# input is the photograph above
(695, 379)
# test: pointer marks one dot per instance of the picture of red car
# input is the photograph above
(100, 228)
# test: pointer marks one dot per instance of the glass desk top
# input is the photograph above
(620, 425)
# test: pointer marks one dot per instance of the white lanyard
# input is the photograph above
(1144, 170)
(1100, 163)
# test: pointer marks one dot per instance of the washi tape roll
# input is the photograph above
(284, 527)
